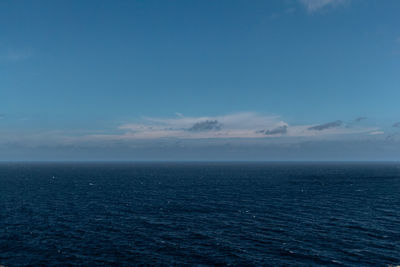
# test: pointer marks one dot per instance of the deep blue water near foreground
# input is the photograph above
(278, 214)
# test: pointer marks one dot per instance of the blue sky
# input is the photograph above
(199, 80)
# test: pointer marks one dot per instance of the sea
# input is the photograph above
(200, 214)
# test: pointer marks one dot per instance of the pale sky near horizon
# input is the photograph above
(200, 80)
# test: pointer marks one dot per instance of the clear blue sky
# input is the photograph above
(121, 79)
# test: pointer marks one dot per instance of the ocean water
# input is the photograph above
(185, 214)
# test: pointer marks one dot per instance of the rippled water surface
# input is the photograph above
(199, 214)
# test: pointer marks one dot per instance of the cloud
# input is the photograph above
(358, 119)
(377, 133)
(396, 125)
(315, 5)
(208, 125)
(325, 126)
(230, 126)
(237, 125)
(230, 129)
(169, 139)
(275, 131)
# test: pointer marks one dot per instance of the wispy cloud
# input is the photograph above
(275, 131)
(377, 133)
(237, 125)
(396, 125)
(208, 125)
(358, 119)
(355, 122)
(315, 5)
(325, 126)
(233, 129)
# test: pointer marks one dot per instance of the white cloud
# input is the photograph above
(249, 127)
(377, 133)
(314, 5)
(238, 125)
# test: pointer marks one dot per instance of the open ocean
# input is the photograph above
(184, 214)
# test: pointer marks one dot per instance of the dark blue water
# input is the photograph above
(199, 214)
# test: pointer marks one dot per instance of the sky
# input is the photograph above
(200, 80)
